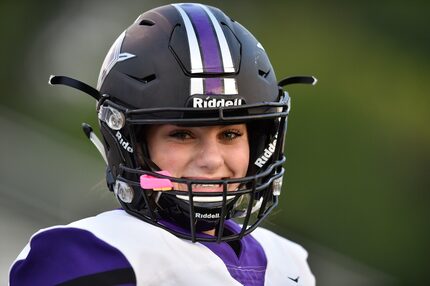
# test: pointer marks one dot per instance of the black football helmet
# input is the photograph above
(190, 64)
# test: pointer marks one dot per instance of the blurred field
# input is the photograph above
(357, 186)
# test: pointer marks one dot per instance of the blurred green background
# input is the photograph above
(357, 187)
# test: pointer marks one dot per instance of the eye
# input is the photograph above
(231, 134)
(180, 135)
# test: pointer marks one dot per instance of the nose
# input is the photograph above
(209, 156)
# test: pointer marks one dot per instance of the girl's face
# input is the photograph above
(209, 152)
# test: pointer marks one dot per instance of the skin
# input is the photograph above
(208, 152)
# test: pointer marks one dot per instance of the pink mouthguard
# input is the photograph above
(156, 184)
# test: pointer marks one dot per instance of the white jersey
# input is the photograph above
(115, 248)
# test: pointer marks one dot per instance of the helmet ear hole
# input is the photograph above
(146, 22)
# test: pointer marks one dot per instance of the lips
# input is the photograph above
(206, 188)
(203, 188)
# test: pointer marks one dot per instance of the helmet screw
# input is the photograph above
(123, 191)
(116, 121)
(113, 118)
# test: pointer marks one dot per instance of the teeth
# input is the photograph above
(207, 186)
(204, 199)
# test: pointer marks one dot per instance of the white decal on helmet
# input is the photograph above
(123, 142)
(268, 152)
(124, 56)
(260, 46)
(112, 57)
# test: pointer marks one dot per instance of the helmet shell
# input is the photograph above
(159, 70)
(195, 57)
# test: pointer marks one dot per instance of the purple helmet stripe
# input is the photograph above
(209, 50)
(208, 41)
(218, 85)
(214, 86)
(222, 41)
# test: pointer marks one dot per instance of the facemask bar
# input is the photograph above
(256, 111)
(125, 172)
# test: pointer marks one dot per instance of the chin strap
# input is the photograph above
(298, 79)
(88, 130)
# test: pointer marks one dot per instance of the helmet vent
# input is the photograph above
(263, 73)
(145, 22)
(145, 79)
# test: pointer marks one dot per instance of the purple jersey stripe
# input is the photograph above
(208, 41)
(62, 254)
(249, 268)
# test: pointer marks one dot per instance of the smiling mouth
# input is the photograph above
(199, 185)
(202, 188)
(207, 188)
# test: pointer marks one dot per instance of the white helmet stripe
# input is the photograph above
(196, 86)
(196, 58)
(230, 86)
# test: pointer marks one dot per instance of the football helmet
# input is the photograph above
(192, 65)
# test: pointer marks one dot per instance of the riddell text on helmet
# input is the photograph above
(215, 102)
(268, 152)
(124, 144)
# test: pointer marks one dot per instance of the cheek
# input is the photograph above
(238, 160)
(244, 162)
(168, 158)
